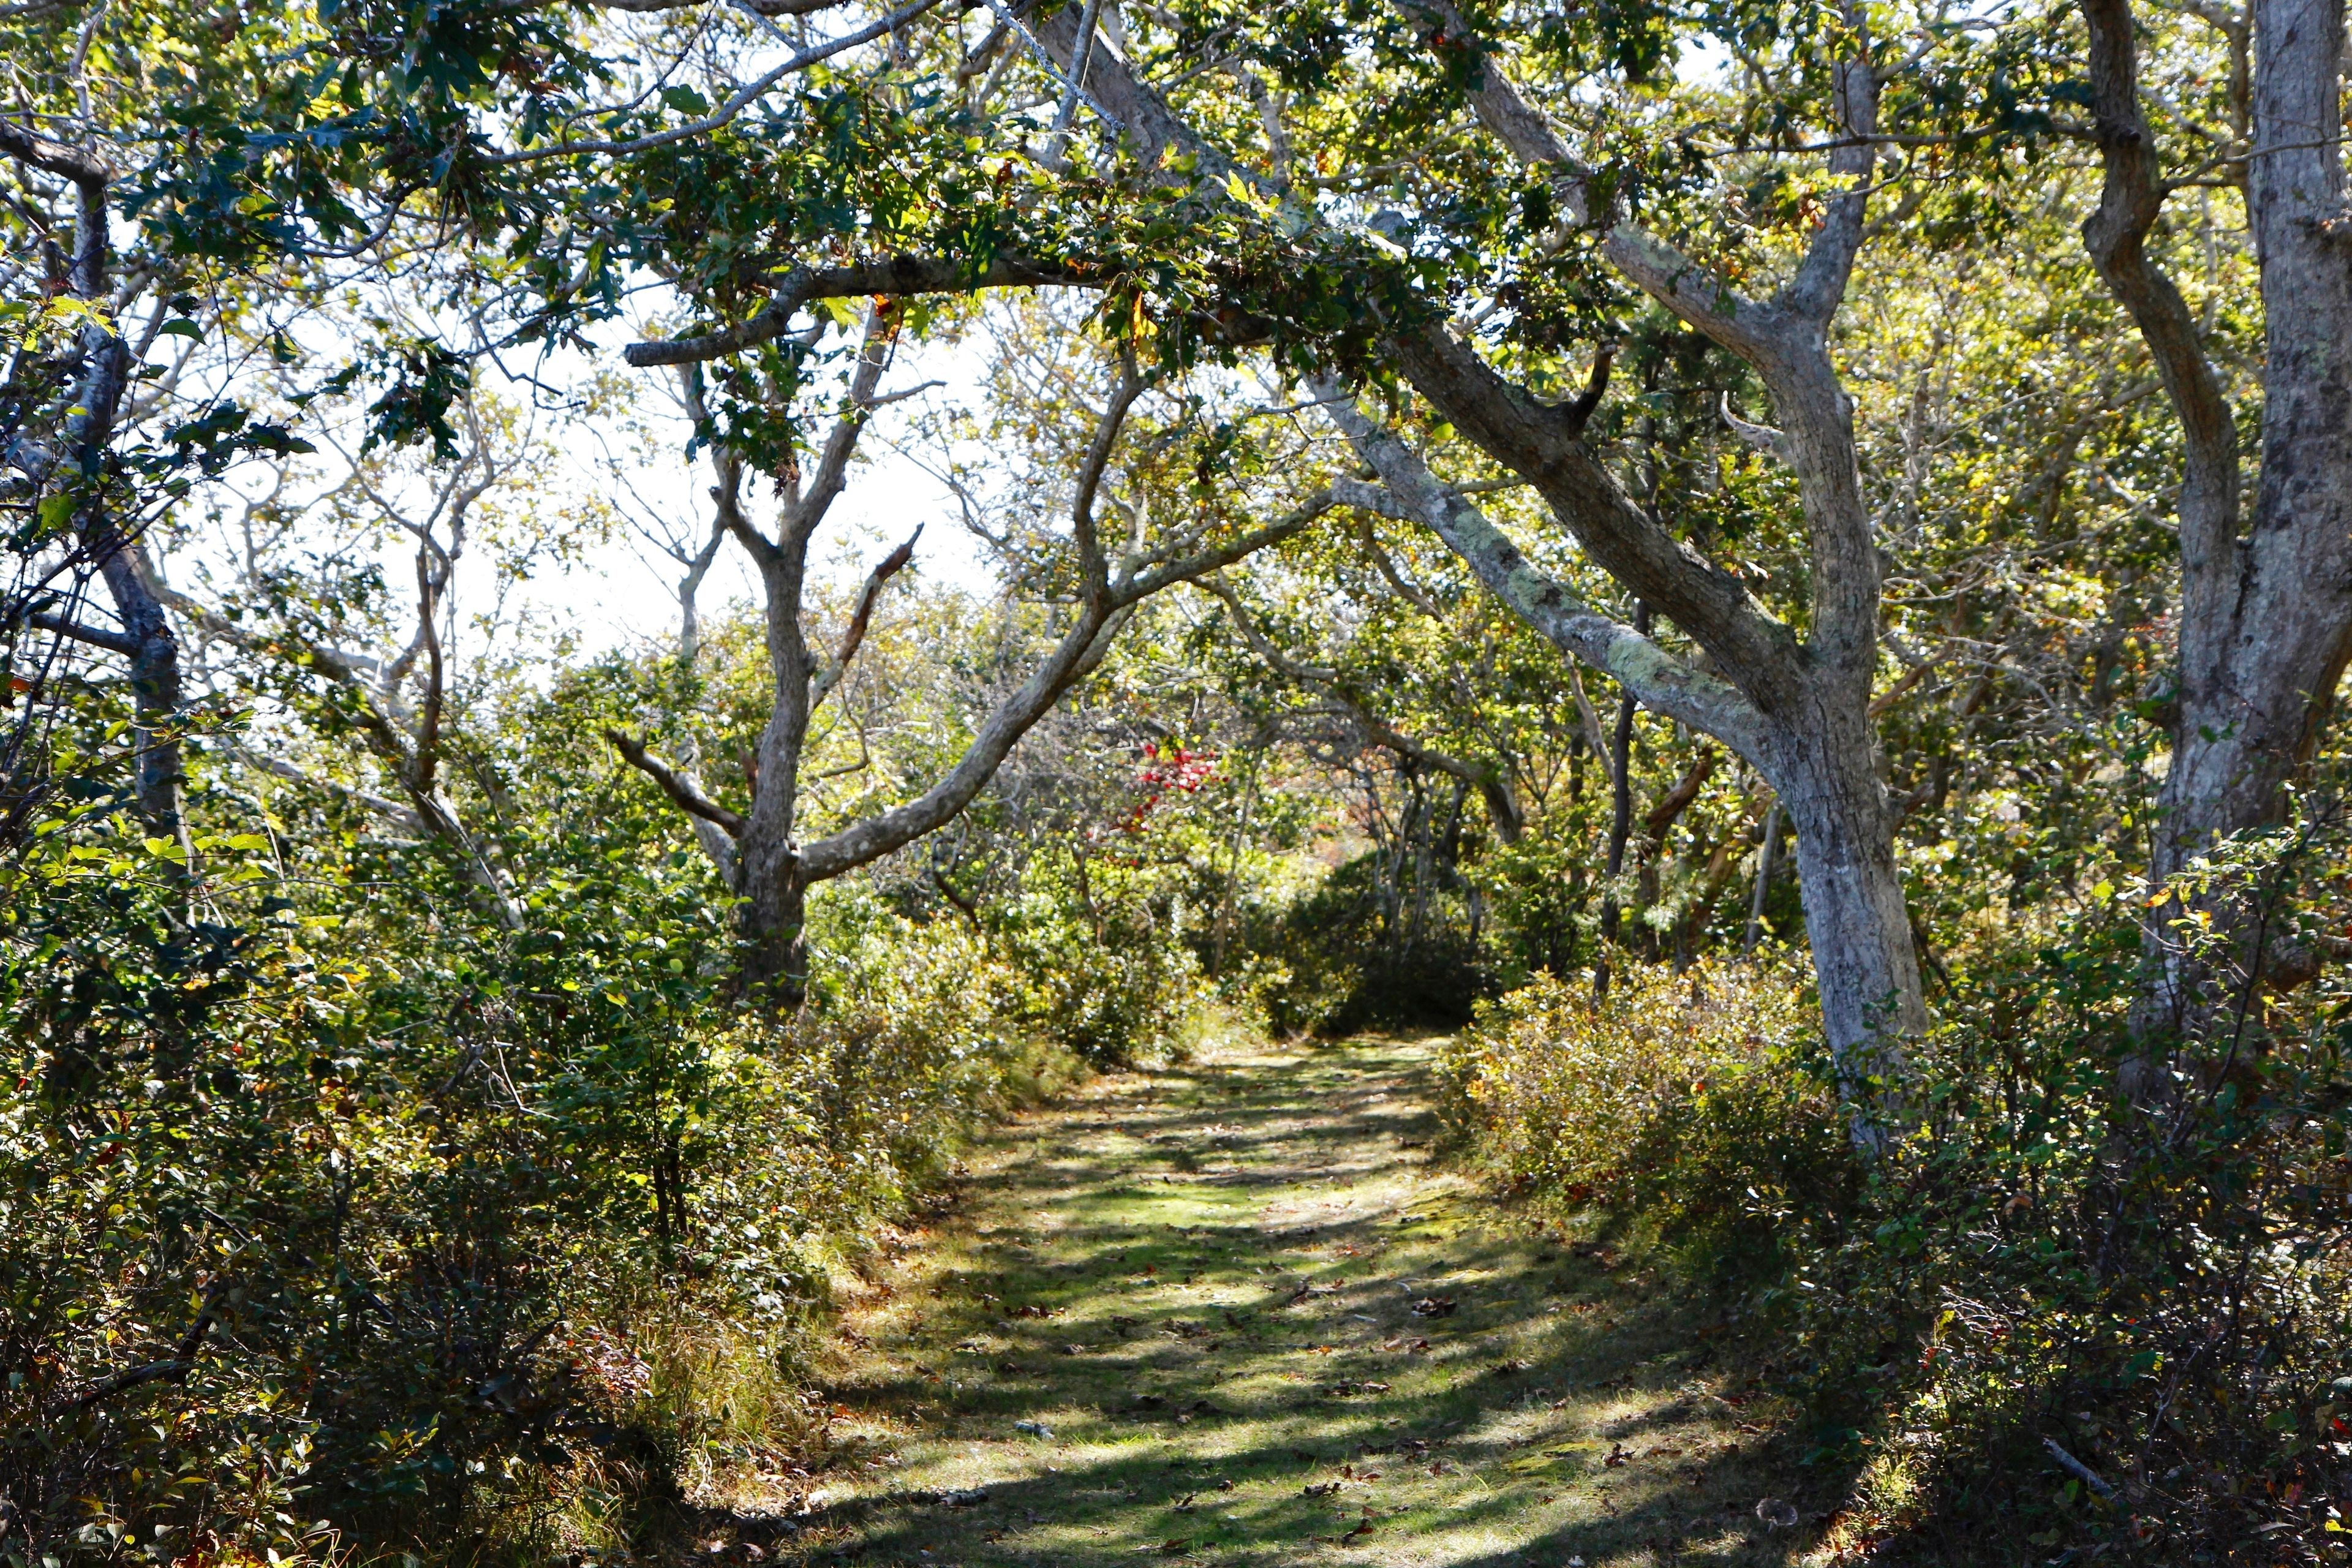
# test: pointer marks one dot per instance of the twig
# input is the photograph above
(177, 1366)
(2079, 1471)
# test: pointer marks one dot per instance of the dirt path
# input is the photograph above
(1230, 1315)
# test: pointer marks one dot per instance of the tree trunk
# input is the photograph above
(2266, 616)
(775, 918)
(155, 688)
(1827, 780)
(1621, 820)
(1763, 876)
(774, 881)
(155, 655)
(2259, 668)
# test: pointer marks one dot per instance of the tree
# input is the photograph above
(1796, 709)
(2265, 622)
(63, 420)
(304, 617)
(1099, 580)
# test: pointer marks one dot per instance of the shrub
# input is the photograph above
(314, 1240)
(1097, 943)
(1687, 1100)
(2030, 1266)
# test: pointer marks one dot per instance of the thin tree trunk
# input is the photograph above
(1763, 876)
(154, 657)
(1621, 820)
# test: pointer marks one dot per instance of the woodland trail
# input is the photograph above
(1230, 1314)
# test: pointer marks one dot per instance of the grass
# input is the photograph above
(1231, 1313)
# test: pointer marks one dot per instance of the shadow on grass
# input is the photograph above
(1256, 1327)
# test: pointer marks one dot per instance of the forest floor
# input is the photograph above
(1232, 1314)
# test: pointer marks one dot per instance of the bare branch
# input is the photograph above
(96, 637)
(852, 636)
(750, 93)
(1783, 338)
(1070, 72)
(1713, 607)
(1276, 659)
(1763, 437)
(1594, 736)
(403, 816)
(1183, 569)
(841, 444)
(1501, 804)
(2131, 196)
(429, 731)
(679, 788)
(58, 158)
(181, 1361)
(1678, 799)
(896, 279)
(1411, 593)
(1658, 680)
(1081, 649)
(1819, 285)
(1090, 480)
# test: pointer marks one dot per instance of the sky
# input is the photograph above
(622, 593)
(619, 593)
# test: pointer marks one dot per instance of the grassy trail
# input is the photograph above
(1229, 1314)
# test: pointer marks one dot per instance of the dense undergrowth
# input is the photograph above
(2041, 1324)
(346, 1220)
(314, 1248)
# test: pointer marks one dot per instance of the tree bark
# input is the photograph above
(1763, 877)
(1827, 778)
(152, 647)
(2266, 614)
(1621, 819)
(774, 971)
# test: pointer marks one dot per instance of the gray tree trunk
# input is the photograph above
(2266, 603)
(1856, 920)
(768, 863)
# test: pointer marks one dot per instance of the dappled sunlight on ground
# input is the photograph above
(1229, 1314)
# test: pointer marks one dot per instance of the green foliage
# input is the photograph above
(1689, 1100)
(2165, 1293)
(324, 1204)
(421, 1175)
(1104, 974)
